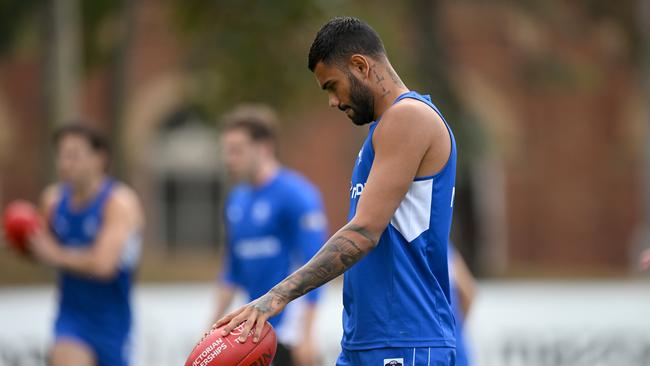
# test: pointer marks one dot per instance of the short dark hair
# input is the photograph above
(257, 120)
(341, 37)
(96, 141)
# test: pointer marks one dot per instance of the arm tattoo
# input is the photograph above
(264, 305)
(363, 232)
(340, 253)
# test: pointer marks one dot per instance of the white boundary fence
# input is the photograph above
(513, 323)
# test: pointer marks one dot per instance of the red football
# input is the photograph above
(217, 350)
(20, 219)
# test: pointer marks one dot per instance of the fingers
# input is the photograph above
(247, 327)
(253, 322)
(227, 319)
(259, 326)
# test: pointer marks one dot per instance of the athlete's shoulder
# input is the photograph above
(123, 192)
(296, 184)
(412, 114)
(238, 192)
(293, 177)
(50, 196)
(410, 120)
(123, 200)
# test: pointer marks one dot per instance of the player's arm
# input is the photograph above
(101, 259)
(401, 141)
(226, 284)
(465, 283)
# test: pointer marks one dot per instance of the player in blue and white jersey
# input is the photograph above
(274, 224)
(463, 294)
(393, 251)
(94, 226)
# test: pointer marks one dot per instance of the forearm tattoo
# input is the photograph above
(341, 252)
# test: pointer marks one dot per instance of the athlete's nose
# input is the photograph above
(334, 101)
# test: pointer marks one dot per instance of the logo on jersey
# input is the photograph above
(91, 225)
(255, 248)
(261, 211)
(235, 213)
(356, 190)
(393, 362)
(313, 221)
(61, 226)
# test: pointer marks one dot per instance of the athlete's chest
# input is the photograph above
(254, 215)
(76, 230)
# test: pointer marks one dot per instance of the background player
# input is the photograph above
(394, 249)
(463, 294)
(644, 260)
(274, 224)
(93, 239)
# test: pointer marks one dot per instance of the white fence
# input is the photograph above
(512, 324)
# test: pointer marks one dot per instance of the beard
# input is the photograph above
(362, 102)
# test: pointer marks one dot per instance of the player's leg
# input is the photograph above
(282, 356)
(71, 347)
(112, 349)
(71, 352)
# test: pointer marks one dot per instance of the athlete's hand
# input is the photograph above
(43, 247)
(254, 314)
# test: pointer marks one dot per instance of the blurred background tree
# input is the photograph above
(534, 54)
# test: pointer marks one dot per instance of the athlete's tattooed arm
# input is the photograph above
(340, 253)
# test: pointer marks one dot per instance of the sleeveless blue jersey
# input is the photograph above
(271, 231)
(398, 295)
(99, 306)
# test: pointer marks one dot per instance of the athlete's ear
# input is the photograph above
(360, 66)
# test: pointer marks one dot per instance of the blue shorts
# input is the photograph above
(421, 356)
(109, 350)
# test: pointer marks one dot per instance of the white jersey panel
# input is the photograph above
(413, 215)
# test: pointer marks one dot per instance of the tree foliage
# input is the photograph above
(251, 50)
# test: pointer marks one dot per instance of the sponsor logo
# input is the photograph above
(356, 190)
(393, 362)
(234, 213)
(90, 225)
(261, 211)
(264, 247)
(264, 359)
(313, 221)
(210, 353)
(61, 226)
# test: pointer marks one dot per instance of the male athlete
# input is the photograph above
(394, 249)
(93, 239)
(274, 223)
